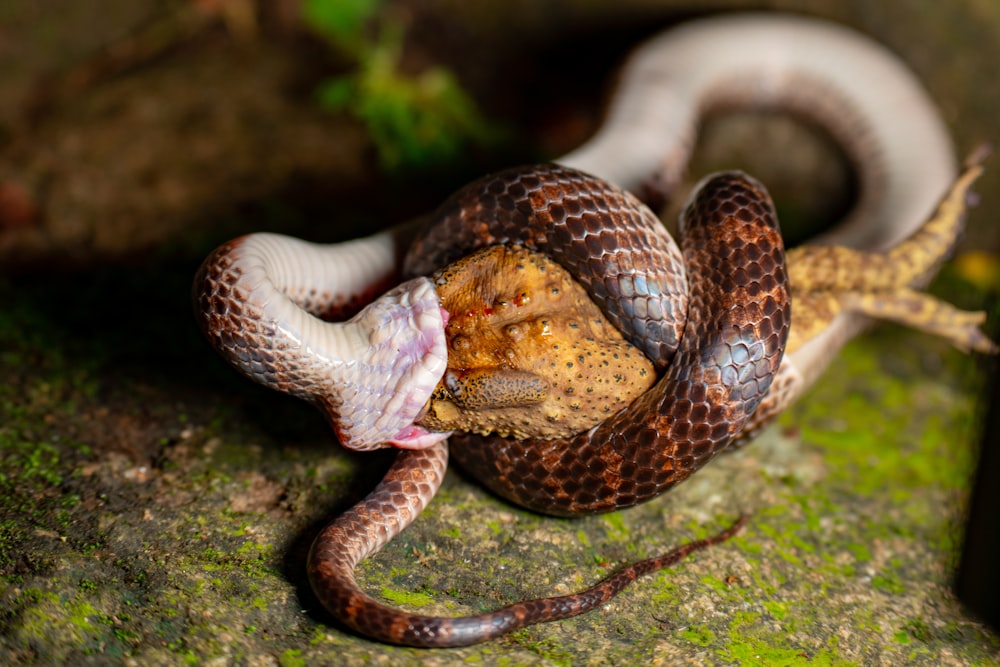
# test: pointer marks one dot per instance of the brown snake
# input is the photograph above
(717, 369)
(714, 372)
(717, 340)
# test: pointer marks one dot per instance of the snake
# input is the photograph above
(713, 316)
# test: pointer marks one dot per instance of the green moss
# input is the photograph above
(665, 589)
(873, 443)
(251, 551)
(292, 658)
(861, 552)
(888, 583)
(617, 530)
(414, 121)
(777, 609)
(749, 644)
(82, 614)
(408, 598)
(699, 635)
(718, 585)
(45, 616)
(551, 651)
(919, 630)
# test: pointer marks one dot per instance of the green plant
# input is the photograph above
(414, 121)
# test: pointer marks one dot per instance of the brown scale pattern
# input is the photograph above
(727, 353)
(738, 320)
(236, 329)
(637, 279)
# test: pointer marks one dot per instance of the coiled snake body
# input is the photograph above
(715, 330)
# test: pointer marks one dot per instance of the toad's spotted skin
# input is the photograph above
(529, 354)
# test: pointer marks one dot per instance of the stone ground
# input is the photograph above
(156, 509)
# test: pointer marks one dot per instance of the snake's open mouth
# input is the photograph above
(417, 437)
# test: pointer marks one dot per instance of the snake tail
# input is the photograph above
(339, 549)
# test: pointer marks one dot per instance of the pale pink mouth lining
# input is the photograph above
(417, 437)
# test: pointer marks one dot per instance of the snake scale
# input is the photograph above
(713, 317)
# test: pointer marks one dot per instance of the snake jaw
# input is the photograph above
(405, 342)
(417, 437)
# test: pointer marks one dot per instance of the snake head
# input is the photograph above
(258, 301)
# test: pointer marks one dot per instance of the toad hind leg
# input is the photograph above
(926, 313)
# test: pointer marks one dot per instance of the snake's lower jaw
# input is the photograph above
(417, 437)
